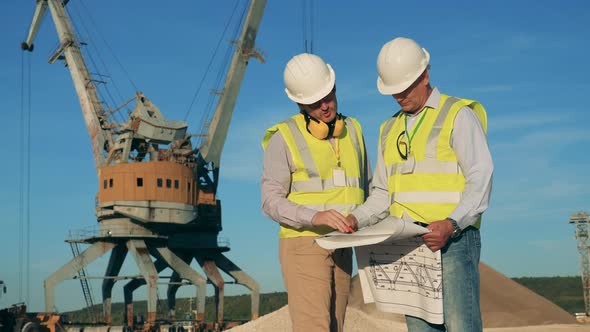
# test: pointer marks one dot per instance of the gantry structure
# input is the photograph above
(581, 221)
(157, 193)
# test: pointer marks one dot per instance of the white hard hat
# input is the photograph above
(308, 78)
(400, 62)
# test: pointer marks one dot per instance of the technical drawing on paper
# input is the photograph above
(395, 268)
(411, 272)
(402, 276)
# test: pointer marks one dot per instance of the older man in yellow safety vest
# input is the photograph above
(315, 172)
(434, 164)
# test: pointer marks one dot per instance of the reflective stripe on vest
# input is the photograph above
(428, 166)
(312, 183)
(435, 184)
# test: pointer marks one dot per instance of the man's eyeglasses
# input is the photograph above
(402, 147)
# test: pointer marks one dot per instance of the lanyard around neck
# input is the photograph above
(335, 145)
(336, 148)
(416, 127)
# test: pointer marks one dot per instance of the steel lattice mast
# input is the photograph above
(581, 221)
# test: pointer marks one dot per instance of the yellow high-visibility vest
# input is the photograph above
(429, 187)
(312, 183)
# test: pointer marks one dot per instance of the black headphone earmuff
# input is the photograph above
(322, 130)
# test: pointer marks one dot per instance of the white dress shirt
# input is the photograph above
(469, 142)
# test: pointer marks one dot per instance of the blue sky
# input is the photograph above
(524, 60)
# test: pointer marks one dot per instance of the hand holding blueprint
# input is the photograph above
(396, 269)
(390, 228)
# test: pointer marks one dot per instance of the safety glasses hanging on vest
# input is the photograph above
(402, 147)
(322, 130)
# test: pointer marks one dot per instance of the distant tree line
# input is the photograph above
(566, 292)
(235, 308)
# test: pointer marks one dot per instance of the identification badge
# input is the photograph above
(339, 177)
(407, 167)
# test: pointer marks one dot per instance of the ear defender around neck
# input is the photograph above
(322, 130)
(338, 125)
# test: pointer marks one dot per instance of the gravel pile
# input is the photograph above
(356, 320)
(506, 307)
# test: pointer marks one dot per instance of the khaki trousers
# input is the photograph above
(317, 282)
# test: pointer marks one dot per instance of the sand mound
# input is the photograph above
(356, 321)
(506, 307)
(359, 321)
(505, 302)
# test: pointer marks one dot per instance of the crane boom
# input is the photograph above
(217, 133)
(94, 115)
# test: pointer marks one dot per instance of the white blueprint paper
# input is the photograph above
(390, 228)
(396, 269)
(402, 276)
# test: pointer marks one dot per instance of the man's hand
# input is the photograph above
(352, 222)
(333, 219)
(441, 231)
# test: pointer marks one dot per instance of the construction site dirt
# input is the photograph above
(506, 307)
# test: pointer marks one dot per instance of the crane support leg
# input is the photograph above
(113, 268)
(241, 278)
(131, 286)
(214, 276)
(182, 268)
(70, 270)
(171, 294)
(128, 290)
(140, 254)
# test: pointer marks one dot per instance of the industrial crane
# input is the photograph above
(156, 191)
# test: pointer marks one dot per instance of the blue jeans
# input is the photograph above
(460, 265)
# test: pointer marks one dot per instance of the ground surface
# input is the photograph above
(506, 307)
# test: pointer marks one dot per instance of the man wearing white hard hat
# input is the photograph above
(433, 164)
(315, 171)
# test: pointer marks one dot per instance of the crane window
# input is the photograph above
(140, 182)
(168, 183)
(176, 185)
(159, 183)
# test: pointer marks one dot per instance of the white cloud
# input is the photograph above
(564, 186)
(556, 136)
(242, 153)
(546, 244)
(523, 120)
(542, 142)
(505, 49)
(493, 88)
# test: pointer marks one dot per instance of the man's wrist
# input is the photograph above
(307, 219)
(456, 229)
(360, 218)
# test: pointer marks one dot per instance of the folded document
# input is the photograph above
(390, 228)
